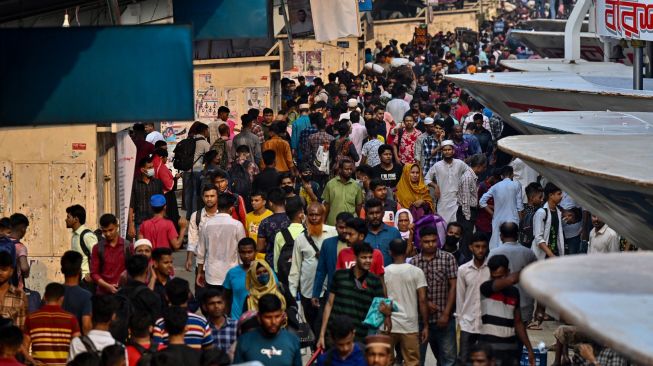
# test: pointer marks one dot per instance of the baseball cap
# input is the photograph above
(157, 200)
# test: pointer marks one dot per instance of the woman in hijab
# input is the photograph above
(404, 223)
(259, 281)
(413, 194)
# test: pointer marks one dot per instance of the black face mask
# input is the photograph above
(451, 241)
(288, 189)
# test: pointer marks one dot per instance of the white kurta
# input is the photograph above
(447, 177)
(523, 174)
(507, 196)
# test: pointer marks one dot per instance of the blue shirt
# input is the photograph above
(381, 241)
(326, 266)
(235, 281)
(282, 349)
(474, 145)
(356, 358)
(298, 126)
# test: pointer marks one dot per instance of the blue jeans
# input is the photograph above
(192, 192)
(442, 342)
(574, 245)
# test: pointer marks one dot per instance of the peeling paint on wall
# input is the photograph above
(6, 195)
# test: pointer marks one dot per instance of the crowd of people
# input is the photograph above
(370, 218)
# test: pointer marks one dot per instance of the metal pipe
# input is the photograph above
(649, 56)
(287, 23)
(638, 76)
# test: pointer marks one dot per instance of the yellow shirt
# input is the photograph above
(253, 221)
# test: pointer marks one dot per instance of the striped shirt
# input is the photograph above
(198, 333)
(51, 329)
(498, 316)
(353, 297)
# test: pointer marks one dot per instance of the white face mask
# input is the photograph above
(150, 172)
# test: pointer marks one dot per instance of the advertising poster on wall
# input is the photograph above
(300, 17)
(173, 132)
(207, 98)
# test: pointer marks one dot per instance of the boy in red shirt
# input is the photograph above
(355, 232)
(11, 339)
(140, 341)
(159, 230)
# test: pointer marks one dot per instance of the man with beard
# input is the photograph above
(379, 234)
(468, 294)
(342, 193)
(352, 293)
(602, 238)
(304, 261)
(445, 178)
(326, 264)
(270, 344)
(196, 225)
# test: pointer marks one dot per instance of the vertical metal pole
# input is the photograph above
(649, 56)
(638, 76)
(287, 22)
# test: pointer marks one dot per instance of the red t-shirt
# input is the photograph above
(347, 259)
(159, 231)
(133, 356)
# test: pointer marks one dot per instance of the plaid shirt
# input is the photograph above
(430, 143)
(225, 336)
(604, 357)
(304, 145)
(438, 272)
(258, 131)
(318, 139)
(468, 192)
(14, 306)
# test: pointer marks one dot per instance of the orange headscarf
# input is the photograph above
(408, 192)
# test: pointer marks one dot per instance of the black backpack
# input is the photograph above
(120, 326)
(184, 154)
(82, 244)
(526, 234)
(241, 182)
(146, 353)
(285, 257)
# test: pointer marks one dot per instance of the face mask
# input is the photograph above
(343, 92)
(288, 189)
(360, 183)
(451, 240)
(454, 100)
(263, 278)
(150, 172)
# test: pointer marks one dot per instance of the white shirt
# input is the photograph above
(524, 174)
(304, 263)
(217, 249)
(397, 108)
(447, 176)
(100, 338)
(153, 137)
(605, 240)
(402, 282)
(357, 135)
(542, 231)
(194, 230)
(468, 295)
(508, 202)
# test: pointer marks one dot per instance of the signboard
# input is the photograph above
(364, 5)
(126, 161)
(225, 19)
(74, 75)
(301, 17)
(628, 19)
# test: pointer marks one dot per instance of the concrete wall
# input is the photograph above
(231, 83)
(317, 59)
(43, 170)
(402, 29)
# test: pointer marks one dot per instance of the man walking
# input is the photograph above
(406, 286)
(83, 239)
(549, 239)
(602, 238)
(519, 257)
(217, 248)
(508, 203)
(468, 295)
(445, 177)
(379, 234)
(109, 257)
(468, 197)
(342, 193)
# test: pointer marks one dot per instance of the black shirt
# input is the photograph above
(448, 126)
(182, 355)
(140, 199)
(265, 180)
(389, 177)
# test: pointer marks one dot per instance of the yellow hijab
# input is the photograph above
(408, 192)
(256, 289)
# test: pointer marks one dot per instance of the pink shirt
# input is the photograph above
(159, 231)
